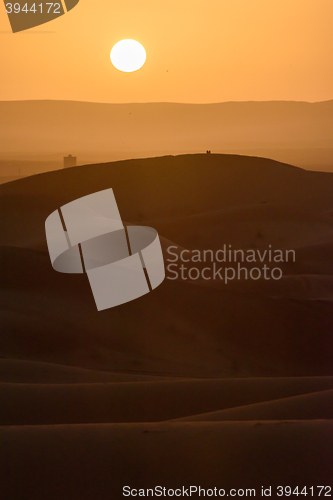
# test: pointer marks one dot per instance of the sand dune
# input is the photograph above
(37, 372)
(95, 461)
(92, 400)
(312, 287)
(304, 287)
(317, 405)
(195, 201)
(282, 224)
(54, 319)
(45, 404)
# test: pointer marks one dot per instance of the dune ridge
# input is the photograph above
(46, 404)
(209, 384)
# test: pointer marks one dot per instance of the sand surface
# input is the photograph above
(198, 383)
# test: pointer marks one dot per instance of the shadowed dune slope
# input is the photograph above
(41, 404)
(196, 201)
(92, 398)
(37, 372)
(317, 405)
(179, 329)
(95, 461)
(160, 188)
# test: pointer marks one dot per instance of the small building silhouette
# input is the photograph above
(69, 161)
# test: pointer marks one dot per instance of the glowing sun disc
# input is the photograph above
(128, 55)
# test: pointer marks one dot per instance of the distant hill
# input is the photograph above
(295, 132)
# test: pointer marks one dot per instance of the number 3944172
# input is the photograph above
(45, 7)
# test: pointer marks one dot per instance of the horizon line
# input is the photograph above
(168, 102)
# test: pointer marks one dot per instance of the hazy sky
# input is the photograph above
(197, 51)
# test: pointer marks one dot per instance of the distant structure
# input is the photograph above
(208, 152)
(69, 161)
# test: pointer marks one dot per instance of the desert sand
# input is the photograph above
(197, 383)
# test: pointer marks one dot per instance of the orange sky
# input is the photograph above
(197, 51)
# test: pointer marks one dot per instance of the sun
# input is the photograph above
(128, 55)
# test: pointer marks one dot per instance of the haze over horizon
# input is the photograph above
(293, 132)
